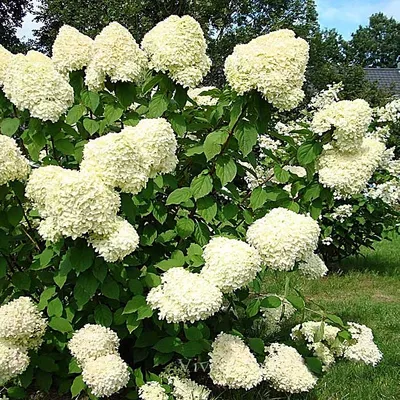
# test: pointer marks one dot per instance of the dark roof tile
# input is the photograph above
(386, 78)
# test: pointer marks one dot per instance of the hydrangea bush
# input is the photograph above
(140, 215)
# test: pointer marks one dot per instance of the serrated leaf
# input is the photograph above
(253, 308)
(167, 345)
(55, 308)
(280, 174)
(207, 208)
(103, 315)
(178, 123)
(201, 186)
(256, 345)
(9, 126)
(60, 324)
(185, 227)
(91, 125)
(110, 289)
(296, 301)
(90, 99)
(134, 304)
(74, 114)
(65, 146)
(193, 333)
(179, 196)
(77, 386)
(308, 152)
(158, 105)
(213, 143)
(271, 302)
(246, 135)
(112, 112)
(225, 169)
(258, 198)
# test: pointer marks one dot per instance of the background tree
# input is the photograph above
(12, 13)
(378, 44)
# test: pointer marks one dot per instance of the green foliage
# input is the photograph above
(175, 216)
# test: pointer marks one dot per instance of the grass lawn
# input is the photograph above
(365, 290)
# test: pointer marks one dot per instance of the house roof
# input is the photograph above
(386, 78)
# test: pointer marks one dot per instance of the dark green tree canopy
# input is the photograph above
(11, 14)
(378, 44)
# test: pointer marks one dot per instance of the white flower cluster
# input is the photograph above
(348, 173)
(327, 96)
(342, 212)
(106, 375)
(13, 165)
(283, 238)
(72, 203)
(5, 60)
(258, 176)
(266, 142)
(93, 341)
(364, 350)
(350, 121)
(186, 389)
(229, 263)
(327, 348)
(285, 370)
(273, 64)
(390, 112)
(122, 240)
(127, 160)
(232, 364)
(21, 329)
(313, 268)
(177, 46)
(71, 50)
(184, 296)
(96, 350)
(14, 361)
(32, 83)
(152, 391)
(388, 192)
(200, 99)
(116, 55)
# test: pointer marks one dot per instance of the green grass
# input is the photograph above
(365, 290)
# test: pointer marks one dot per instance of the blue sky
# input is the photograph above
(347, 15)
(344, 15)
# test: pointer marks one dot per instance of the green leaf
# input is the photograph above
(280, 174)
(103, 315)
(16, 392)
(230, 211)
(132, 323)
(236, 111)
(314, 365)
(158, 105)
(253, 308)
(225, 169)
(336, 320)
(167, 345)
(81, 257)
(296, 301)
(213, 143)
(90, 99)
(91, 125)
(126, 93)
(190, 349)
(14, 215)
(60, 325)
(47, 364)
(178, 123)
(65, 146)
(246, 135)
(74, 114)
(77, 386)
(185, 227)
(312, 192)
(112, 112)
(201, 233)
(271, 302)
(148, 236)
(21, 280)
(110, 289)
(144, 312)
(9, 126)
(55, 308)
(152, 280)
(193, 333)
(201, 186)
(160, 212)
(134, 304)
(179, 196)
(257, 345)
(207, 208)
(45, 257)
(308, 152)
(258, 198)
(85, 288)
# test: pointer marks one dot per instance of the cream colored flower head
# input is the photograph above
(177, 46)
(273, 64)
